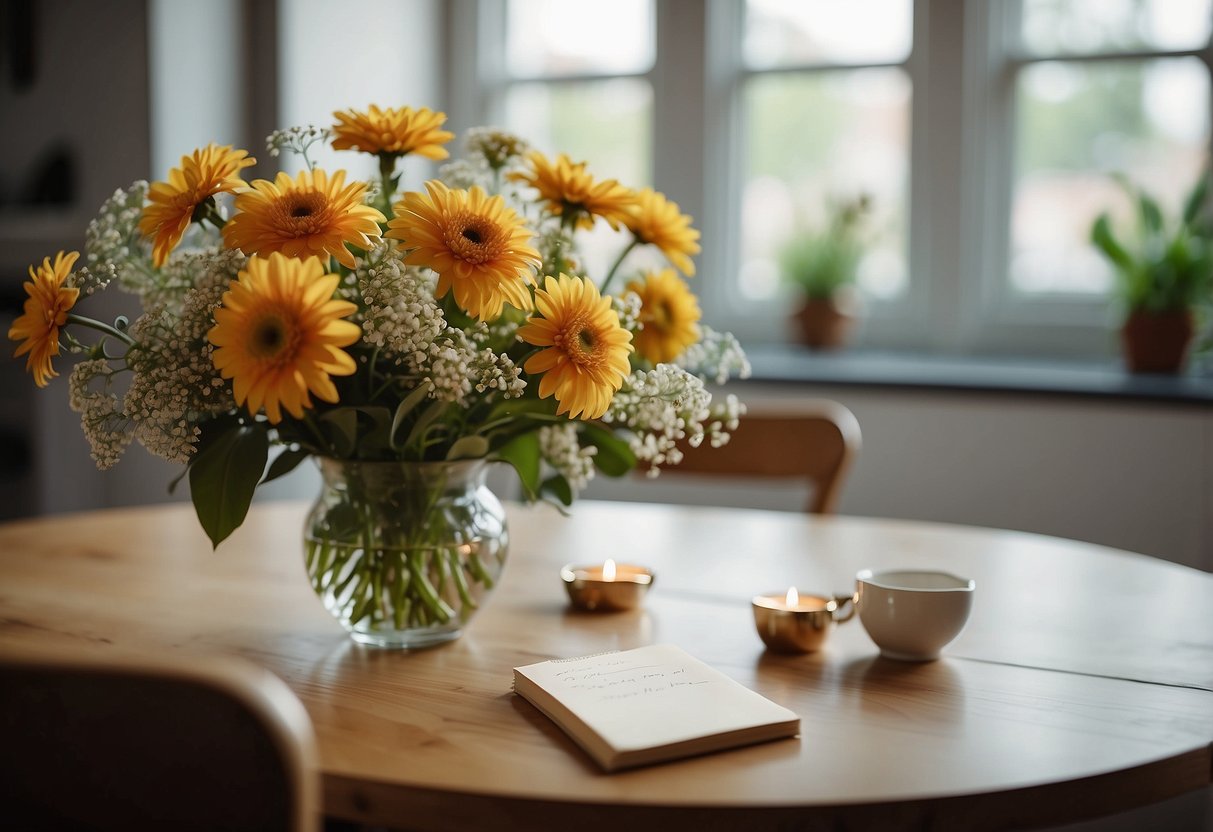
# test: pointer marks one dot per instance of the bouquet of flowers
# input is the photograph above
(351, 320)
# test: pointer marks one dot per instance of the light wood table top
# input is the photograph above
(1083, 684)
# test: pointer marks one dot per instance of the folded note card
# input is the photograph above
(648, 705)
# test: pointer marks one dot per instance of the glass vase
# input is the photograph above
(403, 554)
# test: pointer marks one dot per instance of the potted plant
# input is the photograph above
(823, 265)
(1164, 272)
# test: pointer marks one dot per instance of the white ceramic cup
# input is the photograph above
(912, 614)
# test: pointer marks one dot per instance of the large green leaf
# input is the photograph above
(558, 487)
(468, 447)
(224, 476)
(522, 452)
(614, 457)
(284, 463)
(403, 409)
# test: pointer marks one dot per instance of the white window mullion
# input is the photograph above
(721, 174)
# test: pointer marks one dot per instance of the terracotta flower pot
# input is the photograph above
(822, 324)
(1157, 342)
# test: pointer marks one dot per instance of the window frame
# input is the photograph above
(962, 69)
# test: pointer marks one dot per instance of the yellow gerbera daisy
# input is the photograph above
(303, 217)
(46, 311)
(670, 314)
(209, 171)
(393, 132)
(476, 244)
(278, 335)
(571, 192)
(586, 359)
(657, 221)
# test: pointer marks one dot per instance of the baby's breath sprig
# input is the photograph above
(297, 140)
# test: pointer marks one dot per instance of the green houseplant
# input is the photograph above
(1164, 270)
(822, 265)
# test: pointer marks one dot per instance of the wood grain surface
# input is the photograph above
(1083, 684)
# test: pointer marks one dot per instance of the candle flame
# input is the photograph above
(793, 597)
(608, 570)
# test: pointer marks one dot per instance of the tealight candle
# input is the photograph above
(612, 586)
(795, 623)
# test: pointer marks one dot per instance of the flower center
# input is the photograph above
(580, 342)
(662, 315)
(473, 239)
(303, 213)
(272, 338)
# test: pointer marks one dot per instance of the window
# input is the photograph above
(575, 78)
(986, 134)
(825, 109)
(1100, 88)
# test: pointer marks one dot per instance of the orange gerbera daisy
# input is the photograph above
(303, 217)
(209, 171)
(392, 132)
(586, 359)
(571, 192)
(476, 244)
(670, 314)
(278, 335)
(657, 221)
(46, 309)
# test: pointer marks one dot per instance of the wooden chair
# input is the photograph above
(98, 742)
(814, 440)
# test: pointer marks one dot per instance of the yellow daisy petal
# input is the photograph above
(47, 304)
(669, 314)
(284, 340)
(311, 215)
(475, 243)
(587, 360)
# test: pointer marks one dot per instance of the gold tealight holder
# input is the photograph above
(795, 623)
(608, 587)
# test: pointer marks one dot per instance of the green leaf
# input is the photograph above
(468, 447)
(1151, 214)
(614, 457)
(284, 463)
(1196, 200)
(1102, 237)
(224, 476)
(522, 452)
(558, 487)
(427, 418)
(403, 409)
(340, 427)
(211, 430)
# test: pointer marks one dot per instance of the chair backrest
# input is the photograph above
(814, 440)
(102, 742)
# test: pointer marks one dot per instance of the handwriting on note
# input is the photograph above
(621, 678)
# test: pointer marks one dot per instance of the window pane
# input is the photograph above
(1081, 122)
(790, 32)
(1052, 27)
(604, 123)
(557, 37)
(818, 137)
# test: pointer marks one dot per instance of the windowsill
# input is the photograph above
(909, 371)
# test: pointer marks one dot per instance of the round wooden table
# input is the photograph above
(1083, 684)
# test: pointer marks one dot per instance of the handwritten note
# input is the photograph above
(622, 678)
(651, 703)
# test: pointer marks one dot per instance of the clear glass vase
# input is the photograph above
(404, 553)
